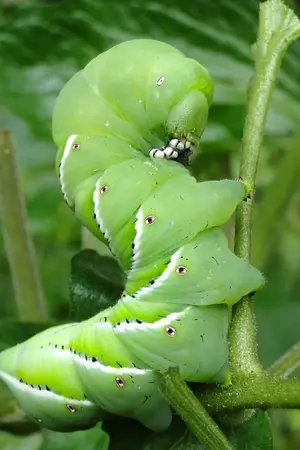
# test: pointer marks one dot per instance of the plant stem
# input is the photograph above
(258, 392)
(192, 412)
(287, 364)
(278, 28)
(30, 302)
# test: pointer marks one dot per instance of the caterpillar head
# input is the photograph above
(178, 95)
(183, 90)
(143, 92)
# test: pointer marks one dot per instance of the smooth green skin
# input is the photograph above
(118, 96)
(139, 397)
(106, 120)
(40, 374)
(202, 331)
(211, 276)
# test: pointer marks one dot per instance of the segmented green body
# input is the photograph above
(161, 225)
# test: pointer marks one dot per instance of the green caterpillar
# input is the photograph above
(126, 126)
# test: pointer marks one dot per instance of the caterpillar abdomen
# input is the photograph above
(38, 371)
(124, 138)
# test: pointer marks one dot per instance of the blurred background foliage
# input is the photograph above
(42, 44)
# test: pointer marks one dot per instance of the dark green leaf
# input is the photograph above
(13, 332)
(187, 442)
(97, 282)
(254, 434)
(126, 434)
(93, 439)
(10, 442)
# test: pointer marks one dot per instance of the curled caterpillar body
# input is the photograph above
(125, 140)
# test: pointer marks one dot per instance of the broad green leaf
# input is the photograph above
(93, 439)
(97, 282)
(286, 429)
(10, 442)
(187, 442)
(126, 434)
(254, 434)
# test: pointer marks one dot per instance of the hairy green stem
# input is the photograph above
(287, 364)
(192, 412)
(258, 392)
(20, 251)
(278, 28)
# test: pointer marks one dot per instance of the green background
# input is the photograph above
(42, 44)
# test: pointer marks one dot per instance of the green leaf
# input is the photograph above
(126, 434)
(10, 442)
(70, 36)
(97, 282)
(254, 434)
(93, 439)
(13, 332)
(187, 442)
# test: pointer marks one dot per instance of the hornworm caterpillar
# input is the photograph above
(125, 127)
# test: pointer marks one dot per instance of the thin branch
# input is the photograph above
(192, 412)
(278, 28)
(29, 297)
(287, 364)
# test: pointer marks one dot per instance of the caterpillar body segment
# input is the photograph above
(126, 127)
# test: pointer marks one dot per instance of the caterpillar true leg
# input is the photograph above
(176, 149)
